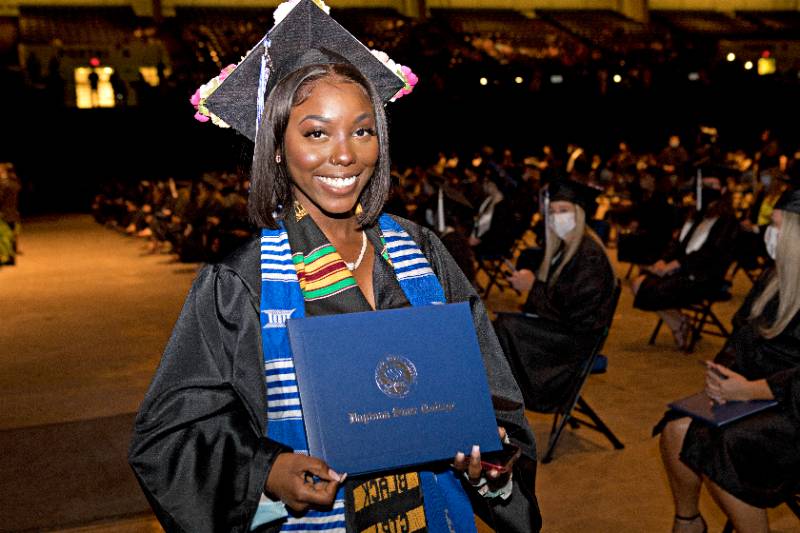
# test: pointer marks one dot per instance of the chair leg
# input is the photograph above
(600, 426)
(559, 423)
(698, 321)
(560, 420)
(728, 527)
(629, 272)
(655, 332)
(719, 324)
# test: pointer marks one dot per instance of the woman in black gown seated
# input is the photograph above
(694, 265)
(569, 301)
(753, 463)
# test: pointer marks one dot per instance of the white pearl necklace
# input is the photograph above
(357, 263)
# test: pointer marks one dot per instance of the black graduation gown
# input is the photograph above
(560, 326)
(700, 272)
(198, 447)
(756, 459)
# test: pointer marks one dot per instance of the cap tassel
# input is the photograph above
(263, 77)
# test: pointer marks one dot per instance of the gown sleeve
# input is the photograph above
(198, 447)
(785, 386)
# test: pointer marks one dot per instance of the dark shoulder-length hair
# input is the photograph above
(271, 185)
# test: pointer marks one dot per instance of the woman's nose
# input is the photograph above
(343, 153)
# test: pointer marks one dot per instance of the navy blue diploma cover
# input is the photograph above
(699, 406)
(387, 389)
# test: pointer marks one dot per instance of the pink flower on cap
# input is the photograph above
(195, 99)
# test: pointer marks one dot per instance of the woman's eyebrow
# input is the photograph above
(319, 118)
(363, 116)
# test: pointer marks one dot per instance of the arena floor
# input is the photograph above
(87, 313)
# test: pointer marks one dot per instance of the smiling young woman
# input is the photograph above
(331, 150)
(219, 443)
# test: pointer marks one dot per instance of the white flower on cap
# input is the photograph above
(286, 7)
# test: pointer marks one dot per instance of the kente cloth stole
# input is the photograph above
(390, 503)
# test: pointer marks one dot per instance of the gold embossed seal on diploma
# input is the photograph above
(378, 388)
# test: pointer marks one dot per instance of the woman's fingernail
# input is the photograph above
(343, 477)
(332, 473)
(476, 450)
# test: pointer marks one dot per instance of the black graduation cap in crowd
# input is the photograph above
(307, 36)
(789, 201)
(575, 192)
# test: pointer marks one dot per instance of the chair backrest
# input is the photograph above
(614, 302)
(589, 363)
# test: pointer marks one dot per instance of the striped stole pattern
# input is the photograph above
(322, 273)
(405, 256)
(280, 288)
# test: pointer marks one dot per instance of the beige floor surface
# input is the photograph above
(86, 315)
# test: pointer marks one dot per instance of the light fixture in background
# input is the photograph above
(766, 66)
(555, 79)
(694, 76)
(617, 78)
(85, 96)
(731, 57)
(484, 81)
(518, 80)
(748, 65)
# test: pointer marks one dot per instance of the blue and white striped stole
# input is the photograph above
(281, 299)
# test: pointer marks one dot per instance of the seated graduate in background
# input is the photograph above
(750, 242)
(494, 229)
(568, 304)
(753, 463)
(694, 265)
(654, 219)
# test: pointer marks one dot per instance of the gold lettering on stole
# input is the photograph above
(377, 490)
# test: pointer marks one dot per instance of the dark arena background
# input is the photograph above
(506, 74)
(112, 197)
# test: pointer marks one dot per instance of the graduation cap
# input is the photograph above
(306, 36)
(575, 192)
(789, 201)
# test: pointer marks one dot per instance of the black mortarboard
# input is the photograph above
(789, 201)
(575, 192)
(307, 36)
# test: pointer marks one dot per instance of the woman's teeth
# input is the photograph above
(338, 183)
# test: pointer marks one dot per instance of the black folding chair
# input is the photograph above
(575, 403)
(702, 318)
(494, 258)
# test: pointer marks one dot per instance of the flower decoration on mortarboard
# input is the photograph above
(403, 72)
(198, 99)
(303, 34)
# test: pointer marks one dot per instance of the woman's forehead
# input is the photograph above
(560, 204)
(334, 96)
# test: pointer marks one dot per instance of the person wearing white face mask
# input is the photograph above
(751, 464)
(568, 302)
